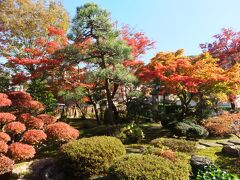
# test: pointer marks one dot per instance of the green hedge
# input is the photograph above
(141, 167)
(92, 156)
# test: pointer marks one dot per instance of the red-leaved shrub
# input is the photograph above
(20, 151)
(61, 132)
(223, 125)
(17, 96)
(34, 123)
(168, 154)
(4, 137)
(34, 136)
(2, 95)
(3, 147)
(6, 165)
(47, 119)
(25, 117)
(14, 128)
(6, 118)
(5, 102)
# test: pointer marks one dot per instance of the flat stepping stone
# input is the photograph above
(234, 141)
(134, 150)
(225, 143)
(199, 146)
(210, 144)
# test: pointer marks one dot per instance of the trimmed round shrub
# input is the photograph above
(181, 145)
(6, 118)
(4, 137)
(92, 156)
(5, 102)
(6, 165)
(137, 167)
(3, 147)
(20, 151)
(61, 132)
(34, 123)
(15, 128)
(190, 130)
(30, 121)
(47, 119)
(34, 136)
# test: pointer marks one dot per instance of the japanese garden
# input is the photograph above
(77, 100)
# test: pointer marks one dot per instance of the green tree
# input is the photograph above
(105, 53)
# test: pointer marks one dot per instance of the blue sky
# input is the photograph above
(173, 24)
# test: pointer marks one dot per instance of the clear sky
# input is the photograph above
(173, 24)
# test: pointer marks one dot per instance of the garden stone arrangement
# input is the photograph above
(77, 102)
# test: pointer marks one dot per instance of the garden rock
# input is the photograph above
(198, 162)
(21, 170)
(234, 141)
(210, 144)
(224, 143)
(231, 150)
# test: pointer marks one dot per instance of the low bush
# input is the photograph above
(4, 137)
(34, 136)
(3, 147)
(20, 151)
(6, 165)
(14, 128)
(6, 118)
(223, 125)
(213, 172)
(181, 145)
(137, 167)
(92, 156)
(190, 130)
(61, 132)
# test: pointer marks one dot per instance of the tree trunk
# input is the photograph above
(109, 116)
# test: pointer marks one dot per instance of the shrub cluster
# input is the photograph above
(21, 134)
(181, 145)
(136, 167)
(92, 156)
(223, 125)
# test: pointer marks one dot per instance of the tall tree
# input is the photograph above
(225, 47)
(106, 53)
(22, 22)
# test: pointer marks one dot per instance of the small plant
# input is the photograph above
(131, 133)
(169, 154)
(214, 172)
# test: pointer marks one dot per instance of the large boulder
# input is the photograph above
(231, 150)
(198, 163)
